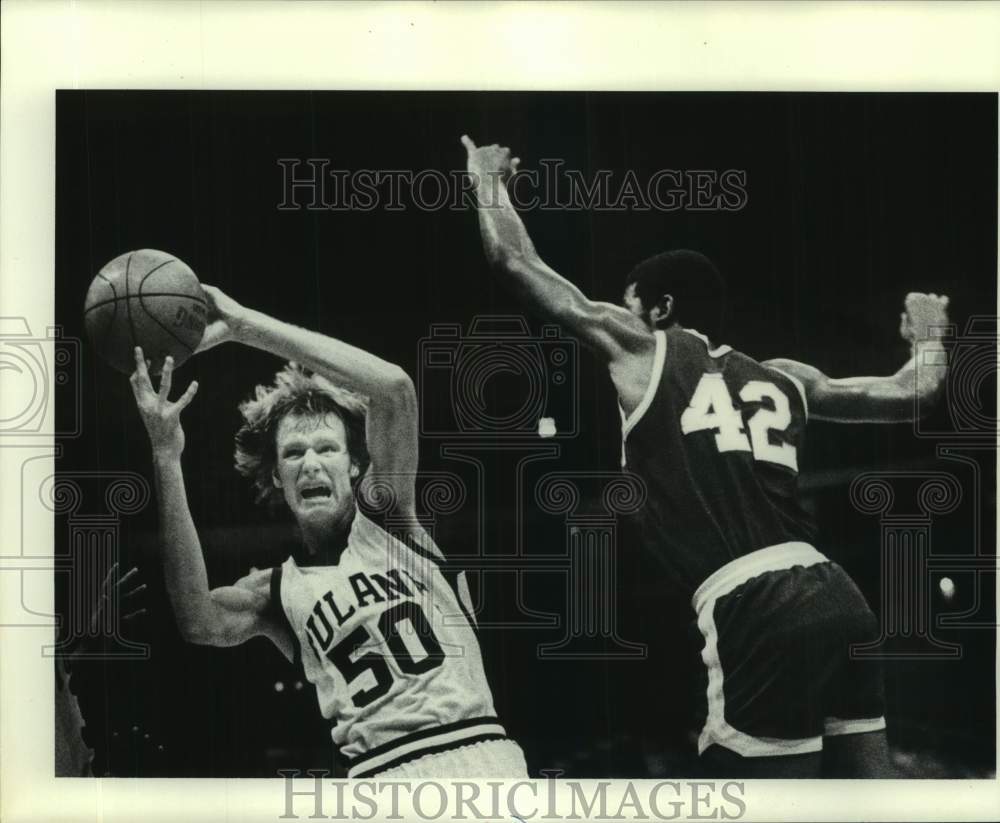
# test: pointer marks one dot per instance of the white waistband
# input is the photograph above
(738, 571)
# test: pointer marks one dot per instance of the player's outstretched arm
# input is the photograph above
(895, 398)
(391, 420)
(608, 329)
(220, 617)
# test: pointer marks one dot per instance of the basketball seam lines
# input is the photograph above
(114, 314)
(146, 294)
(152, 316)
(128, 303)
(165, 328)
(145, 277)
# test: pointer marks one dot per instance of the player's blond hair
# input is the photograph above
(295, 391)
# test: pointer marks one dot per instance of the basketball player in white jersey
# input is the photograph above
(381, 623)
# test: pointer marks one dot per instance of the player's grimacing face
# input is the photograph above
(313, 468)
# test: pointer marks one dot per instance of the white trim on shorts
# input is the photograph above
(736, 572)
(501, 759)
(425, 742)
(835, 726)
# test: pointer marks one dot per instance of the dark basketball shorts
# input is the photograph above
(776, 628)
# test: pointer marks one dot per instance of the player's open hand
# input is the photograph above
(117, 589)
(487, 161)
(924, 313)
(225, 318)
(161, 417)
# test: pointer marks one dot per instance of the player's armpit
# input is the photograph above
(892, 399)
(242, 612)
(235, 614)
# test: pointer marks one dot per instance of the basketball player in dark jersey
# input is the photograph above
(380, 622)
(716, 437)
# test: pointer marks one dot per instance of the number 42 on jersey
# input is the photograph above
(711, 408)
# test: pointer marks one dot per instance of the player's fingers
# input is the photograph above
(141, 369)
(128, 575)
(188, 396)
(211, 295)
(137, 392)
(467, 142)
(132, 615)
(514, 163)
(137, 590)
(166, 378)
(110, 576)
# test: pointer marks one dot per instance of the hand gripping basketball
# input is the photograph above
(145, 298)
(225, 318)
(161, 417)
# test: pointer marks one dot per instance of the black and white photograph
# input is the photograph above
(625, 446)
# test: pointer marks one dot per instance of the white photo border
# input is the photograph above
(215, 44)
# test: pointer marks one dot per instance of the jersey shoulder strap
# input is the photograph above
(275, 610)
(629, 421)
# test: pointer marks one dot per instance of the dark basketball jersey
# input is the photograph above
(716, 439)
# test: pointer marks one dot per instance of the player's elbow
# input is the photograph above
(500, 255)
(199, 626)
(511, 260)
(197, 632)
(397, 388)
(917, 398)
(926, 399)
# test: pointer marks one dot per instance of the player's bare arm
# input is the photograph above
(391, 420)
(895, 398)
(610, 330)
(225, 616)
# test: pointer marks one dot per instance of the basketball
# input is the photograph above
(145, 298)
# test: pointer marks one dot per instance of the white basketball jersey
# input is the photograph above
(387, 638)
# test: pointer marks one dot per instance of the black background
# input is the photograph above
(853, 200)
